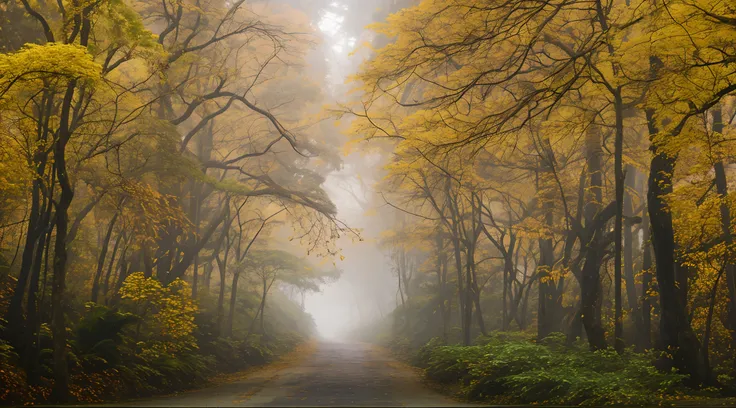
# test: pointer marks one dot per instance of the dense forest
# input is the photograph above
(555, 193)
(561, 185)
(152, 173)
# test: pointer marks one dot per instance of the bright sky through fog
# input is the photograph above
(333, 309)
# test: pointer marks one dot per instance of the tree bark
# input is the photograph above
(676, 334)
(60, 390)
(730, 269)
(111, 266)
(628, 235)
(590, 285)
(618, 171)
(101, 259)
(550, 298)
(645, 337)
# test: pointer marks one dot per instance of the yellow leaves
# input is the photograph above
(151, 211)
(172, 322)
(58, 63)
(15, 175)
(139, 288)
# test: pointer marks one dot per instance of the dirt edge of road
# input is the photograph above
(293, 357)
(452, 392)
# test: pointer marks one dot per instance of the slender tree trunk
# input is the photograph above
(469, 301)
(708, 323)
(628, 235)
(221, 265)
(618, 343)
(106, 282)
(263, 312)
(233, 298)
(645, 337)
(102, 258)
(195, 272)
(440, 281)
(208, 276)
(461, 291)
(261, 307)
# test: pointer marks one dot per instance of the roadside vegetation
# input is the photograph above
(154, 341)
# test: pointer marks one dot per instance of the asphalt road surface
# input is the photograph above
(323, 374)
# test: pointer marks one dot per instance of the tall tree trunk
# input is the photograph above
(33, 324)
(469, 301)
(36, 227)
(708, 324)
(645, 337)
(730, 269)
(14, 314)
(60, 390)
(550, 299)
(618, 319)
(195, 273)
(590, 285)
(631, 295)
(504, 305)
(441, 291)
(676, 334)
(464, 324)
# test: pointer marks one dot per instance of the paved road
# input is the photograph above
(327, 374)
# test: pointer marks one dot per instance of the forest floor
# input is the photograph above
(316, 374)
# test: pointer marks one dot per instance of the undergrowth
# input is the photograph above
(519, 370)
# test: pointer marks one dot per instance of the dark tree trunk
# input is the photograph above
(111, 266)
(549, 307)
(36, 227)
(631, 295)
(730, 269)
(676, 334)
(14, 315)
(60, 390)
(221, 265)
(590, 285)
(102, 258)
(32, 323)
(233, 298)
(645, 336)
(618, 319)
(464, 323)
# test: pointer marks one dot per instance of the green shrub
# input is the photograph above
(421, 358)
(549, 371)
(99, 336)
(452, 363)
